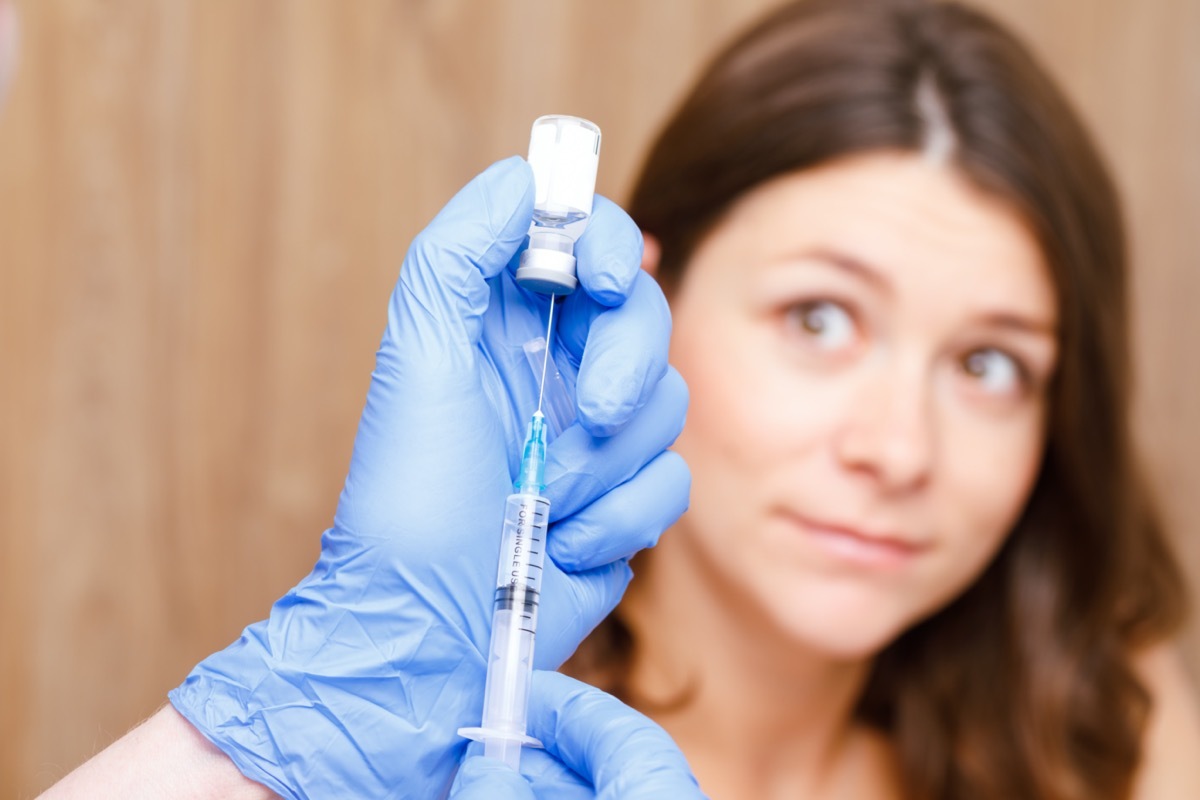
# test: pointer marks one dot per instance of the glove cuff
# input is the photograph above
(346, 717)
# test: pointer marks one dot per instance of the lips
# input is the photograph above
(859, 545)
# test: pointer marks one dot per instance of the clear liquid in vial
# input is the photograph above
(556, 216)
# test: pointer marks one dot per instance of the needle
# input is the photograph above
(546, 355)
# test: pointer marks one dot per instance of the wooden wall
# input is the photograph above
(203, 206)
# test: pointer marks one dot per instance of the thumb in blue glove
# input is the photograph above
(596, 747)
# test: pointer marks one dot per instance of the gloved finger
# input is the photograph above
(581, 467)
(581, 601)
(621, 353)
(482, 778)
(553, 780)
(627, 519)
(624, 753)
(608, 254)
(442, 289)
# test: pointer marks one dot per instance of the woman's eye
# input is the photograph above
(826, 322)
(995, 371)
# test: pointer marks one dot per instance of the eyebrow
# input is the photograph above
(861, 269)
(1021, 324)
(854, 266)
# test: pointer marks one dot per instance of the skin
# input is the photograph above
(164, 757)
(868, 346)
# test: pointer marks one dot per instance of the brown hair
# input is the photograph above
(1023, 686)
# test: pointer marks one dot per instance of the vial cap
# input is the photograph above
(547, 271)
(564, 153)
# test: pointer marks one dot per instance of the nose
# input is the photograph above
(888, 431)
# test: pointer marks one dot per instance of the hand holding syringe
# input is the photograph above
(377, 656)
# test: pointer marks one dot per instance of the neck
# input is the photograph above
(754, 705)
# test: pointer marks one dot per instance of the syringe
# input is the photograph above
(563, 154)
(518, 592)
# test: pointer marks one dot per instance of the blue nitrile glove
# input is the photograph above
(356, 684)
(597, 748)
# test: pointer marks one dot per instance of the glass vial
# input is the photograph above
(564, 153)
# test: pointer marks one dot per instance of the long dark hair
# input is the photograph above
(1023, 686)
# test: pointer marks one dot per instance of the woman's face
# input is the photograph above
(868, 346)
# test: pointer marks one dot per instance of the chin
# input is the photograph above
(845, 625)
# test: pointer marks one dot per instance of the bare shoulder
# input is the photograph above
(1171, 746)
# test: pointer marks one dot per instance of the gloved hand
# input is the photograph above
(357, 682)
(597, 748)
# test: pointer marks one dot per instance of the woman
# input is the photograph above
(917, 560)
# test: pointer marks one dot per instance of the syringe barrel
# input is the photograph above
(514, 622)
(522, 551)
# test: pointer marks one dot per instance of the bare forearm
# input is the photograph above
(164, 757)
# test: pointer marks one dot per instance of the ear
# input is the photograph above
(651, 253)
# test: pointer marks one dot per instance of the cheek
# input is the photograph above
(720, 439)
(732, 439)
(989, 470)
(748, 415)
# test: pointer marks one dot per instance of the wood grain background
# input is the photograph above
(203, 206)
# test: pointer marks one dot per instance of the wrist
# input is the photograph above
(163, 757)
(272, 706)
